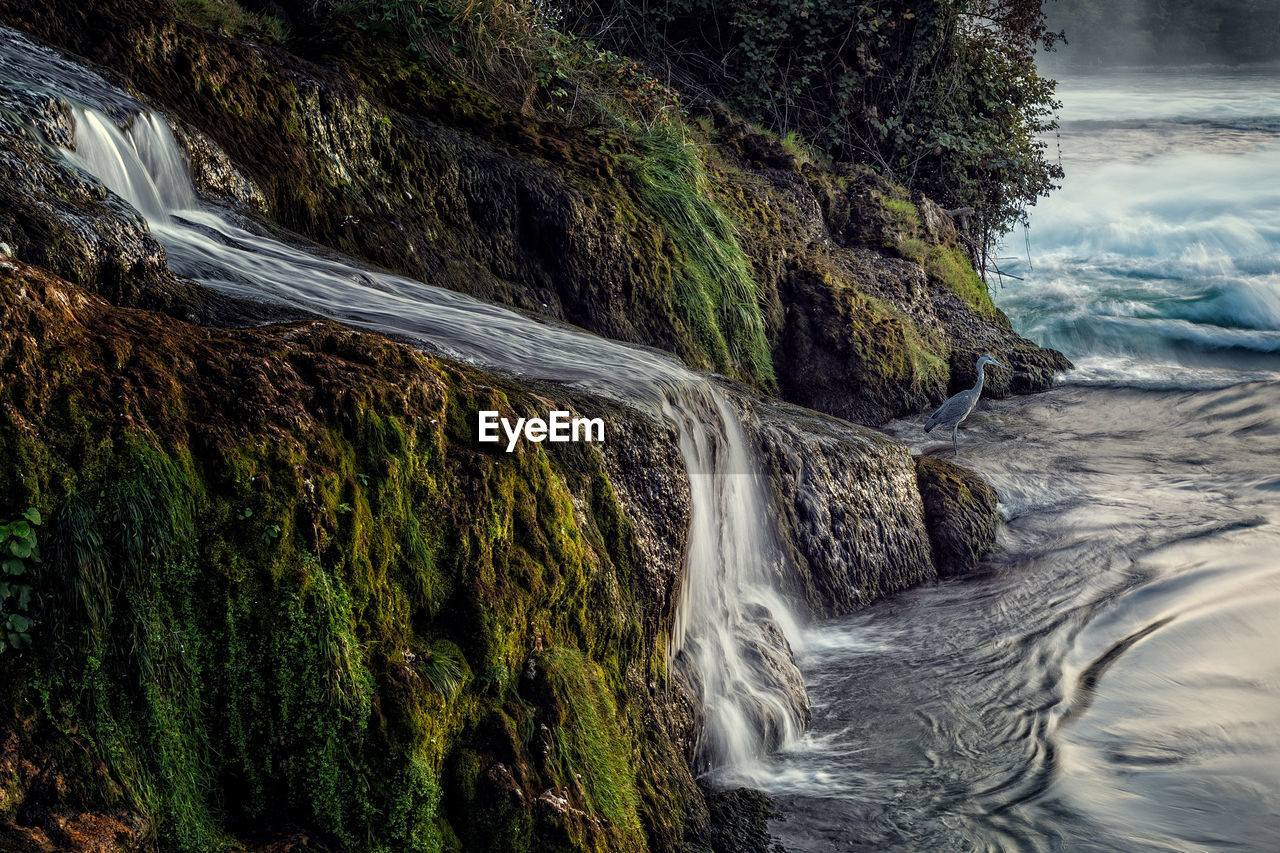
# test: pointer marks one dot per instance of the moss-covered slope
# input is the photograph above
(700, 235)
(281, 587)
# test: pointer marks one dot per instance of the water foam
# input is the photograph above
(1158, 262)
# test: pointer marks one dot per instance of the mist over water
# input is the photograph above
(1110, 680)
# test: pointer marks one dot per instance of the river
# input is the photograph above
(1111, 679)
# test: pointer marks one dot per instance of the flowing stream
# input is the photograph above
(1110, 681)
(729, 609)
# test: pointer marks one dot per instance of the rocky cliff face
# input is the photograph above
(280, 576)
(286, 600)
(849, 505)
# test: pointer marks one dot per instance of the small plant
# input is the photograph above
(443, 668)
(494, 677)
(271, 533)
(903, 212)
(19, 550)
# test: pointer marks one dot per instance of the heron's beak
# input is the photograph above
(998, 364)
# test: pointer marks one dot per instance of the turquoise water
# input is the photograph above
(1157, 263)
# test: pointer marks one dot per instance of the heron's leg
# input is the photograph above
(955, 448)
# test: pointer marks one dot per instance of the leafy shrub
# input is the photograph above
(19, 550)
(940, 95)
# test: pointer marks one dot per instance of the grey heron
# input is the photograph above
(955, 410)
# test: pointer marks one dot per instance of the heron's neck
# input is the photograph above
(978, 386)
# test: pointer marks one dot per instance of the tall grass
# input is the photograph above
(229, 18)
(718, 297)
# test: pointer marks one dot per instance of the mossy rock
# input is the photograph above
(688, 240)
(960, 513)
(282, 586)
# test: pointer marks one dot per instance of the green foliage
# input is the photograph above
(591, 754)
(229, 18)
(946, 264)
(795, 145)
(717, 297)
(19, 552)
(940, 95)
(444, 668)
(904, 213)
(522, 56)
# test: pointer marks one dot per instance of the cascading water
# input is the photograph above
(733, 631)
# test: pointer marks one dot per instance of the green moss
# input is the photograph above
(903, 213)
(304, 599)
(960, 510)
(950, 266)
(591, 757)
(920, 354)
(945, 264)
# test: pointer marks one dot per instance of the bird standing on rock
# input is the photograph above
(955, 410)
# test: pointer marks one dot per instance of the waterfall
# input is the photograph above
(733, 631)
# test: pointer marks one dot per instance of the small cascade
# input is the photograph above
(731, 626)
(145, 168)
(733, 632)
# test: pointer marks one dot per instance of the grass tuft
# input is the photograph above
(718, 298)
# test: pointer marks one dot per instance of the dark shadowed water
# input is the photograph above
(1111, 680)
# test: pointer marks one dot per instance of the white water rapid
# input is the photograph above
(732, 631)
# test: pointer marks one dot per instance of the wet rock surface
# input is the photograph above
(56, 217)
(960, 511)
(739, 824)
(215, 177)
(848, 507)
